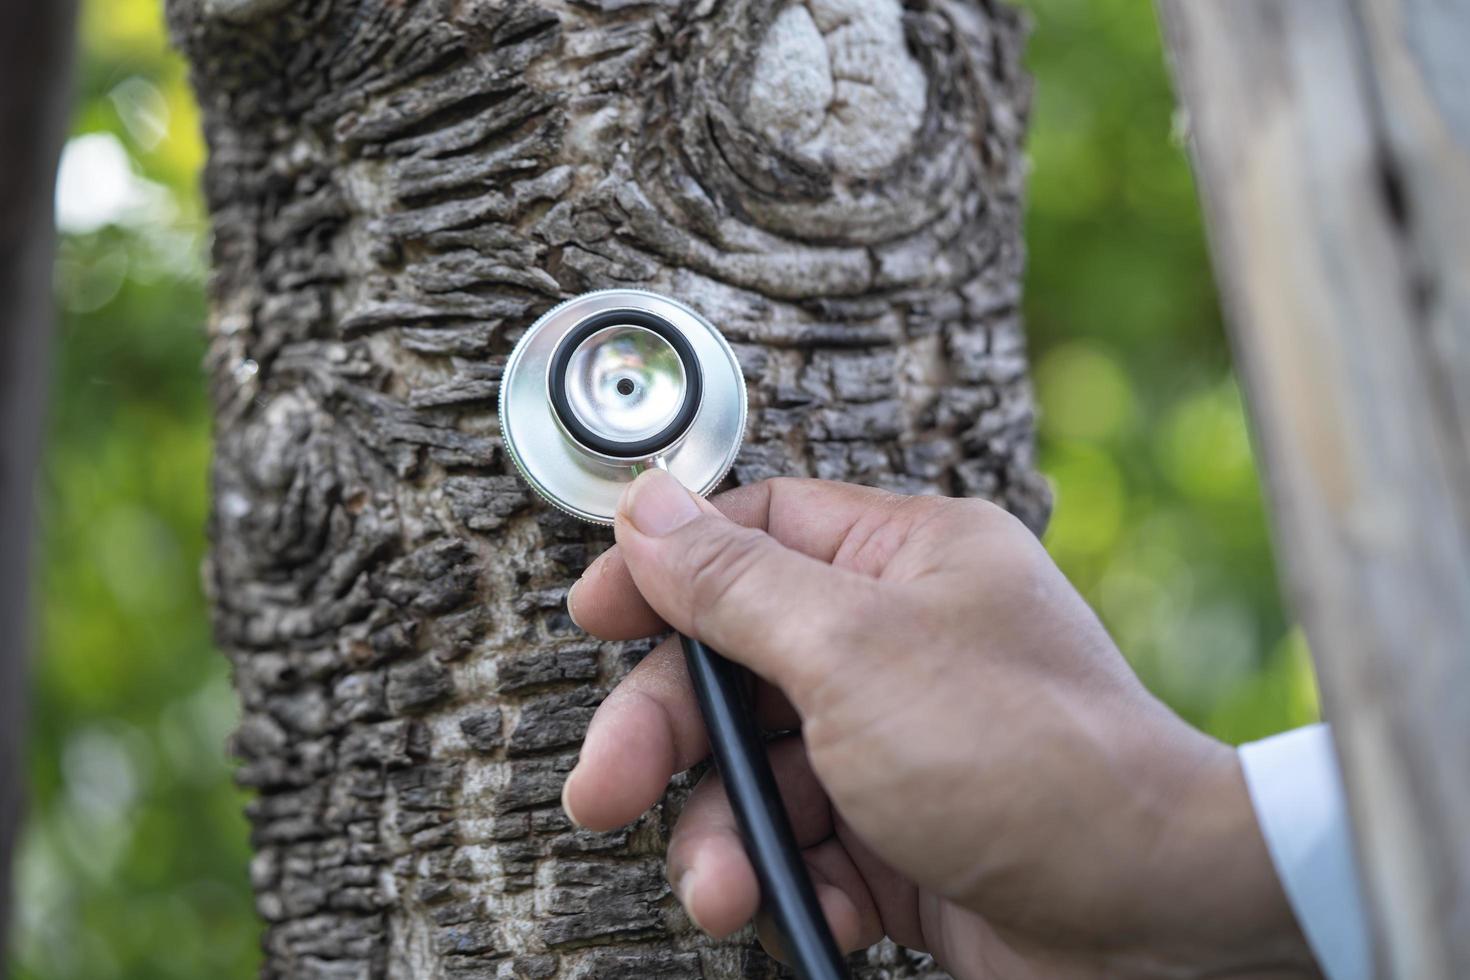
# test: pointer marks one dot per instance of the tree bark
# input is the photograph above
(398, 189)
(1332, 138)
(35, 77)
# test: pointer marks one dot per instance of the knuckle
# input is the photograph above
(986, 515)
(999, 559)
(1015, 566)
(1000, 528)
(1011, 538)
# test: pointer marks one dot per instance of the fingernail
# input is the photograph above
(684, 890)
(565, 801)
(572, 604)
(657, 504)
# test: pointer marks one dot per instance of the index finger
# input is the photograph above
(813, 517)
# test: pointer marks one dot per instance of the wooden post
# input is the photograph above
(35, 76)
(1332, 143)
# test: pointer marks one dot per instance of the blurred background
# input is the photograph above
(133, 862)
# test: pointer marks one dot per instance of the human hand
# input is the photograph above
(975, 770)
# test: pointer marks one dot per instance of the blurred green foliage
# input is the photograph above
(1159, 518)
(133, 866)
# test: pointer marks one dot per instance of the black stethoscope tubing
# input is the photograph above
(739, 749)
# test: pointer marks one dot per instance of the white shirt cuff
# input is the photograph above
(1297, 792)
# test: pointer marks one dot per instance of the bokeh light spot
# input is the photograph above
(1084, 393)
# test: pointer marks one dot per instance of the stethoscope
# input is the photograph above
(599, 388)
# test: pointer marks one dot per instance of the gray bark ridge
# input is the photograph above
(397, 191)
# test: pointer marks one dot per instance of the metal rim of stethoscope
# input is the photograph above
(614, 381)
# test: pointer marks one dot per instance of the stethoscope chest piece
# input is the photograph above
(597, 389)
(614, 381)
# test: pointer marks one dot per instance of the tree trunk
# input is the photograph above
(397, 190)
(1332, 139)
(35, 76)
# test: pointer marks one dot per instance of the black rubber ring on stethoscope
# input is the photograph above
(693, 384)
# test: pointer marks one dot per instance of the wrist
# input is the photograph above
(1220, 907)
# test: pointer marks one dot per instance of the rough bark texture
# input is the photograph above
(1332, 139)
(397, 190)
(35, 74)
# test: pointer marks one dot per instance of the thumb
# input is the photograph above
(781, 613)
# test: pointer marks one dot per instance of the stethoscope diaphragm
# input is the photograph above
(611, 382)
